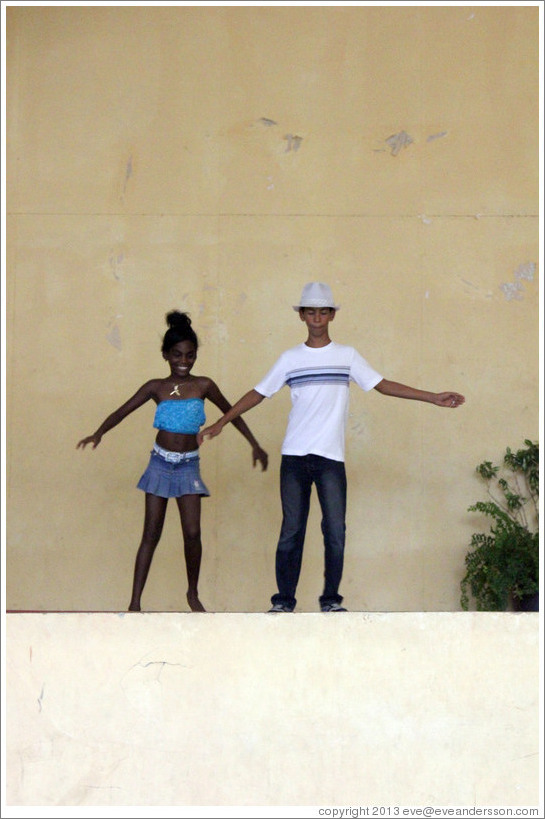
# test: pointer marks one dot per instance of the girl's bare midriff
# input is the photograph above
(176, 441)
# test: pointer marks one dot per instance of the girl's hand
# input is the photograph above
(449, 399)
(91, 439)
(260, 455)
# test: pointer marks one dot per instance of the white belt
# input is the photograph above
(174, 457)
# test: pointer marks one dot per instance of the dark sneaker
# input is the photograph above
(333, 607)
(279, 607)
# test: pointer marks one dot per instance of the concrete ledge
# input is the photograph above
(272, 710)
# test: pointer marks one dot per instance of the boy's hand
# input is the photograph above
(449, 399)
(209, 432)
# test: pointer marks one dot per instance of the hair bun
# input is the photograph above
(177, 319)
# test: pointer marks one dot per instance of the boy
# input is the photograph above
(318, 374)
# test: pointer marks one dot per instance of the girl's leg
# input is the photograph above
(153, 526)
(190, 515)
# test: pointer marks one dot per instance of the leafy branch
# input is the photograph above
(505, 562)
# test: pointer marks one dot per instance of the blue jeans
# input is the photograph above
(297, 474)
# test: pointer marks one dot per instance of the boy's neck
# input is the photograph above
(317, 341)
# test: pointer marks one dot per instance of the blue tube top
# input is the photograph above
(185, 415)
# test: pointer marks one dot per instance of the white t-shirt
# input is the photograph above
(318, 378)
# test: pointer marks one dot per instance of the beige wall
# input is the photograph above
(436, 709)
(215, 159)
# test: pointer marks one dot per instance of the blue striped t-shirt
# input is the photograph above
(318, 378)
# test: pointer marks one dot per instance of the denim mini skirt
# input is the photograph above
(172, 480)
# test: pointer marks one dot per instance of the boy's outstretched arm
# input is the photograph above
(440, 399)
(215, 395)
(247, 402)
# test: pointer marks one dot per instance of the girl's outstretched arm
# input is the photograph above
(440, 399)
(231, 414)
(140, 397)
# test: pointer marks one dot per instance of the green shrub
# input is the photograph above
(503, 565)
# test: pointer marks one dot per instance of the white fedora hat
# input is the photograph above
(316, 294)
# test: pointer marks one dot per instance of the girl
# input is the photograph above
(173, 469)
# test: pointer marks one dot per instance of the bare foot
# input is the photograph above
(194, 602)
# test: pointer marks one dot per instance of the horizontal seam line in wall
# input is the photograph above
(291, 215)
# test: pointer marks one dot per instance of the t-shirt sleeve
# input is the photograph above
(274, 380)
(363, 374)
